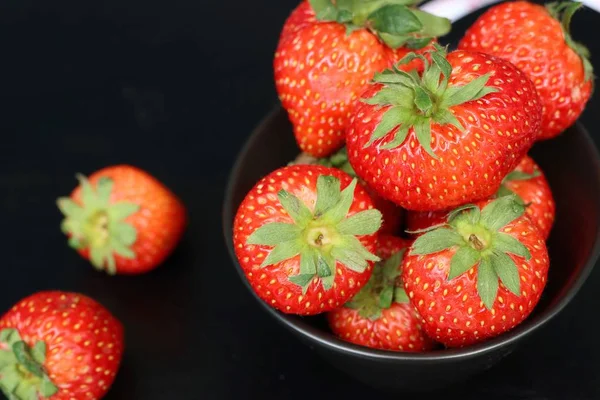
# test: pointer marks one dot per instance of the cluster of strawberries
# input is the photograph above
(66, 346)
(391, 124)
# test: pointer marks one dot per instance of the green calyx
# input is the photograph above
(396, 22)
(418, 100)
(99, 225)
(563, 11)
(22, 374)
(321, 237)
(382, 289)
(476, 235)
(515, 176)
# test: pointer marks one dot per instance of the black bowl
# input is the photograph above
(572, 165)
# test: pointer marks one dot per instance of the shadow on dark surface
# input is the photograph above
(175, 88)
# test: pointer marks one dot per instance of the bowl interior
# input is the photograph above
(572, 167)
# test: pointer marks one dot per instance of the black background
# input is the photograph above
(175, 87)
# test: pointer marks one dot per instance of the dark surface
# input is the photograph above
(572, 167)
(175, 87)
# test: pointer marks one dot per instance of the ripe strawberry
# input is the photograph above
(418, 140)
(452, 273)
(59, 345)
(304, 236)
(531, 37)
(380, 315)
(392, 214)
(527, 181)
(123, 220)
(328, 51)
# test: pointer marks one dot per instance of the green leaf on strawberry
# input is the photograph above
(382, 289)
(321, 237)
(99, 225)
(479, 242)
(22, 374)
(417, 101)
(396, 22)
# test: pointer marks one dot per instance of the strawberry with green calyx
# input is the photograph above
(305, 236)
(329, 50)
(123, 220)
(537, 40)
(21, 368)
(380, 316)
(60, 346)
(392, 214)
(416, 138)
(479, 275)
(527, 182)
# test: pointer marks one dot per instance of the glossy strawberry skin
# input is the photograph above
(499, 130)
(84, 341)
(452, 311)
(271, 283)
(393, 216)
(534, 192)
(398, 329)
(160, 223)
(319, 73)
(529, 37)
(537, 194)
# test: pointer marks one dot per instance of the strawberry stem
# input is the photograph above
(321, 237)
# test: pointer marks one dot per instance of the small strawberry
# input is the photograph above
(447, 136)
(392, 214)
(380, 315)
(304, 236)
(527, 181)
(60, 346)
(478, 276)
(531, 37)
(123, 220)
(329, 49)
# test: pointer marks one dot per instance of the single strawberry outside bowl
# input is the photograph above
(572, 165)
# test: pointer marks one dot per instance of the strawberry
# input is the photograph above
(478, 276)
(59, 345)
(531, 37)
(418, 138)
(304, 236)
(329, 49)
(380, 315)
(392, 214)
(123, 220)
(527, 181)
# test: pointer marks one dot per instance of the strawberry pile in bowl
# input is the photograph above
(412, 211)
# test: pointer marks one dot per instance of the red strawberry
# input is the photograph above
(380, 315)
(304, 236)
(480, 275)
(531, 37)
(392, 214)
(527, 181)
(59, 345)
(427, 143)
(327, 53)
(123, 220)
